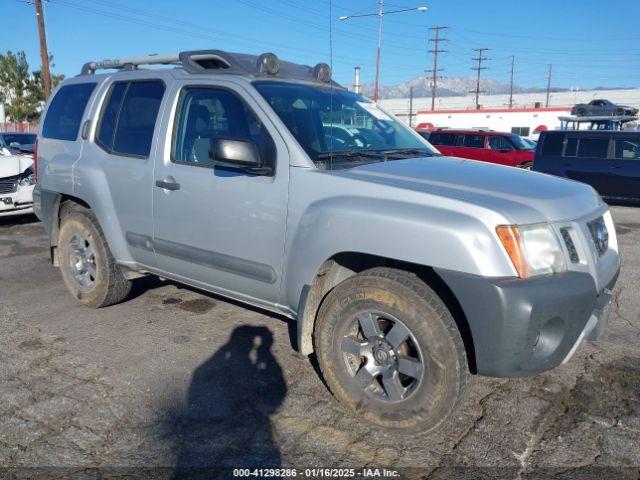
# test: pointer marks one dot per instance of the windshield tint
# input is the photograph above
(337, 127)
(520, 144)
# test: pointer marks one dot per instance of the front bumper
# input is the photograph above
(17, 203)
(523, 327)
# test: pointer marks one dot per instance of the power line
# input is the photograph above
(434, 72)
(481, 58)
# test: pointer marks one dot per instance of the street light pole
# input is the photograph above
(381, 13)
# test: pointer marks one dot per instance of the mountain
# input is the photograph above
(447, 87)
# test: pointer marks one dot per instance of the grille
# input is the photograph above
(571, 248)
(599, 235)
(9, 184)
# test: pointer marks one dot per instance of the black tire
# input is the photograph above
(581, 112)
(107, 285)
(401, 296)
(526, 166)
(619, 112)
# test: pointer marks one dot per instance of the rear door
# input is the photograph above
(586, 160)
(474, 147)
(122, 152)
(625, 167)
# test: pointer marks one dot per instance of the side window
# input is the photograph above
(129, 117)
(474, 141)
(593, 147)
(499, 143)
(66, 110)
(571, 150)
(628, 148)
(552, 144)
(205, 113)
(456, 140)
(109, 118)
(436, 139)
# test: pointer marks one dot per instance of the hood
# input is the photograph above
(11, 165)
(521, 196)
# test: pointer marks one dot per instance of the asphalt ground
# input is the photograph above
(178, 383)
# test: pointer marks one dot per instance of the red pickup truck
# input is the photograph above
(487, 146)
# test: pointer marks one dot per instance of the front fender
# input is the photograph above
(409, 232)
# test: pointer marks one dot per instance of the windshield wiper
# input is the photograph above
(410, 151)
(352, 154)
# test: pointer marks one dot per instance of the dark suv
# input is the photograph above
(609, 161)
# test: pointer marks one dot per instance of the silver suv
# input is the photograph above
(267, 182)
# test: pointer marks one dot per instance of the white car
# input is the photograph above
(16, 184)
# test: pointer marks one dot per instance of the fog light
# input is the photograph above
(549, 338)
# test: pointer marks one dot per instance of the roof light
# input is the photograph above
(322, 72)
(268, 63)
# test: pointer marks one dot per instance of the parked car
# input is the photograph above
(405, 271)
(17, 143)
(424, 134)
(487, 146)
(609, 161)
(16, 185)
(602, 107)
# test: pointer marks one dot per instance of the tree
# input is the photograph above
(21, 92)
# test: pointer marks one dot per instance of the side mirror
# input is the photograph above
(238, 154)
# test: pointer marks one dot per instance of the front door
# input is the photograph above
(214, 226)
(625, 167)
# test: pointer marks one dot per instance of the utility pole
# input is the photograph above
(549, 86)
(513, 64)
(380, 15)
(434, 72)
(481, 58)
(46, 75)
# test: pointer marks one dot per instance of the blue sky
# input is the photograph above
(590, 43)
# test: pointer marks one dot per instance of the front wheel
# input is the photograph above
(86, 263)
(390, 350)
(526, 166)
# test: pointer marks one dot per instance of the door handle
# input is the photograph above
(167, 185)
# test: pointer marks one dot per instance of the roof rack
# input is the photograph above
(218, 61)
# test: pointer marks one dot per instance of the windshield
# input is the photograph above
(520, 143)
(339, 129)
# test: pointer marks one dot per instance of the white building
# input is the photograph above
(524, 118)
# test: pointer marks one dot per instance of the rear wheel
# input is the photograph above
(581, 112)
(88, 269)
(390, 350)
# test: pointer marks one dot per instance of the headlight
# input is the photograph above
(533, 249)
(27, 178)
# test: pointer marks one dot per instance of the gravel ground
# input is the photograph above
(175, 381)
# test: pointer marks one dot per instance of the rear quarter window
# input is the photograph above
(63, 118)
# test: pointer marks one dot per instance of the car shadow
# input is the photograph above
(149, 283)
(14, 220)
(225, 422)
